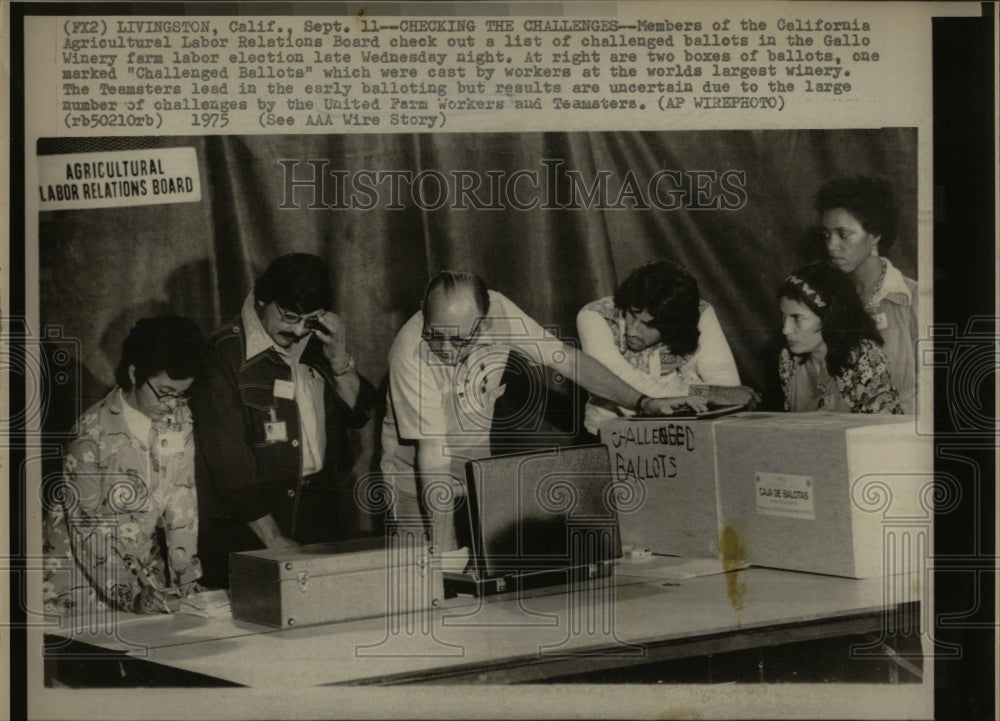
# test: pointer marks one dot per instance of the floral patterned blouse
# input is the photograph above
(100, 542)
(864, 385)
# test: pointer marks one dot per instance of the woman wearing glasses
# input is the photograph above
(128, 472)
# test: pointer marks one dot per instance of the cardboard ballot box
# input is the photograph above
(328, 582)
(827, 493)
(666, 472)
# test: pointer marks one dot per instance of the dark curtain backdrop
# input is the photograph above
(103, 269)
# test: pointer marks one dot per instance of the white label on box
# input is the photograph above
(780, 494)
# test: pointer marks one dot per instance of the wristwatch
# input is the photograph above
(347, 369)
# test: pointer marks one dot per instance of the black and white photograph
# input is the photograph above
(404, 382)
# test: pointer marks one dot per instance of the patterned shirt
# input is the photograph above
(100, 540)
(864, 385)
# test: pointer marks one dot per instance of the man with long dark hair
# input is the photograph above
(657, 335)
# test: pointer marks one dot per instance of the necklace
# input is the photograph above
(871, 305)
(824, 387)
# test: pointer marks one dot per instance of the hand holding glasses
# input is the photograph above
(313, 324)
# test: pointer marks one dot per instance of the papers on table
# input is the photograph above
(207, 604)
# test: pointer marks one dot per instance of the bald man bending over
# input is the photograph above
(445, 367)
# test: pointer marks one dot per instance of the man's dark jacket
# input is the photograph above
(241, 476)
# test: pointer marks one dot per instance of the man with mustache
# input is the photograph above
(657, 335)
(446, 374)
(272, 413)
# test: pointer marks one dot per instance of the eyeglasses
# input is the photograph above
(456, 341)
(291, 318)
(167, 396)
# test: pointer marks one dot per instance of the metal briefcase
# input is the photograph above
(328, 582)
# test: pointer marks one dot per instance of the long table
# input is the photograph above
(643, 615)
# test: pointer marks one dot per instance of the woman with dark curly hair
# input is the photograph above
(128, 473)
(858, 217)
(833, 360)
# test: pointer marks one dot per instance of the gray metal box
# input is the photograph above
(329, 582)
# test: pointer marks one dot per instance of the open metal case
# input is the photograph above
(537, 519)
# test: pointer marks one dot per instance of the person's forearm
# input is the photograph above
(725, 395)
(432, 462)
(347, 386)
(267, 530)
(594, 377)
(436, 485)
(356, 398)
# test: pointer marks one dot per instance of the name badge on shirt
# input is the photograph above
(881, 322)
(170, 442)
(275, 432)
(284, 389)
